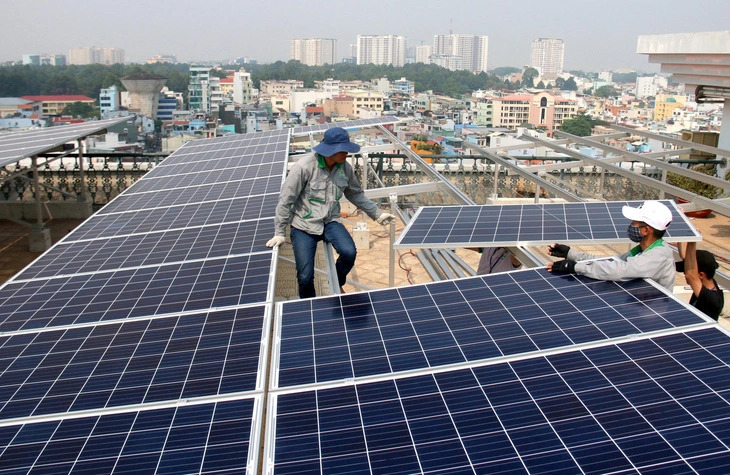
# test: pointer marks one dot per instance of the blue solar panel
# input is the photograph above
(147, 291)
(529, 224)
(247, 149)
(194, 194)
(208, 177)
(426, 326)
(175, 217)
(203, 438)
(204, 242)
(138, 362)
(651, 405)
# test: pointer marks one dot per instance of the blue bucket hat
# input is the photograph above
(336, 140)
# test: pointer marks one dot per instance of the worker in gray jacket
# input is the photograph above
(652, 258)
(309, 201)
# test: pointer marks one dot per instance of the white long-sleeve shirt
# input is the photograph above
(656, 263)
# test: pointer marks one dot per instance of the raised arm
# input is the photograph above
(691, 272)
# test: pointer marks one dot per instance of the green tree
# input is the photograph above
(570, 84)
(540, 85)
(80, 110)
(605, 91)
(580, 125)
(528, 77)
(624, 77)
(560, 83)
(504, 70)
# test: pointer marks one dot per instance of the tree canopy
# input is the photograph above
(605, 91)
(80, 110)
(580, 125)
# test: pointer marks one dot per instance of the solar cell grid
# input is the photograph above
(151, 183)
(426, 326)
(171, 288)
(176, 217)
(216, 164)
(530, 224)
(632, 406)
(16, 146)
(139, 362)
(201, 438)
(244, 149)
(149, 249)
(194, 194)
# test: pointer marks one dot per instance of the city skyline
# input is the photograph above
(596, 36)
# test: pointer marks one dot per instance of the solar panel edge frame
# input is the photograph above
(270, 437)
(695, 237)
(278, 322)
(396, 243)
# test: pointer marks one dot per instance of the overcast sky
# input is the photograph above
(598, 34)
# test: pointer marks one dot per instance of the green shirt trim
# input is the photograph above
(637, 250)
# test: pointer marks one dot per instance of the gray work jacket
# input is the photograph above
(310, 195)
(656, 263)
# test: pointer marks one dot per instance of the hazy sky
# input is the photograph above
(597, 34)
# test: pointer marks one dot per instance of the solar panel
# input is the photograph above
(194, 194)
(197, 438)
(203, 242)
(347, 124)
(175, 217)
(246, 147)
(139, 292)
(139, 362)
(222, 175)
(529, 225)
(19, 145)
(650, 405)
(140, 341)
(452, 322)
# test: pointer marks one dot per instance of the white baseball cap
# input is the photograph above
(654, 213)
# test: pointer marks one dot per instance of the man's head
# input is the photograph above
(336, 140)
(653, 214)
(706, 263)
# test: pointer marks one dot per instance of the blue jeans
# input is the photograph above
(305, 246)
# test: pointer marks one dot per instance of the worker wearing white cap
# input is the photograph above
(651, 258)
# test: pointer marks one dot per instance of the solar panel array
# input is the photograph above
(529, 225)
(139, 341)
(19, 145)
(523, 371)
(347, 124)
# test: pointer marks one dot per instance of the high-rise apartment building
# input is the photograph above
(381, 49)
(462, 51)
(314, 51)
(423, 53)
(93, 55)
(547, 56)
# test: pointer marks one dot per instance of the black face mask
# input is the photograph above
(634, 233)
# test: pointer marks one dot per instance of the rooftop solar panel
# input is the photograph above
(443, 323)
(654, 405)
(19, 145)
(169, 181)
(203, 438)
(347, 124)
(248, 148)
(138, 362)
(204, 242)
(175, 217)
(140, 292)
(194, 194)
(529, 225)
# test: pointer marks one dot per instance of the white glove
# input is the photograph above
(385, 219)
(275, 241)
